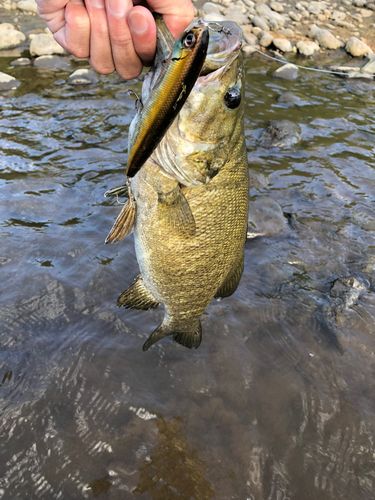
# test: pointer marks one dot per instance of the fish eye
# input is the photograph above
(232, 98)
(189, 40)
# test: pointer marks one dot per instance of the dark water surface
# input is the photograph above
(278, 402)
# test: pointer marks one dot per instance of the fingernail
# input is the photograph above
(138, 22)
(118, 7)
(98, 4)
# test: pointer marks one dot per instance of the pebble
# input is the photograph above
(250, 39)
(286, 72)
(8, 82)
(27, 5)
(45, 45)
(259, 22)
(265, 39)
(83, 77)
(55, 62)
(11, 38)
(294, 16)
(6, 26)
(366, 13)
(214, 17)
(21, 61)
(287, 32)
(337, 15)
(238, 17)
(357, 48)
(307, 48)
(277, 7)
(210, 7)
(283, 44)
(265, 12)
(325, 38)
(248, 50)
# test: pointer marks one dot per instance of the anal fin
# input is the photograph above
(124, 223)
(175, 211)
(137, 297)
(189, 335)
(231, 281)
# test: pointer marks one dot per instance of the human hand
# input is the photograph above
(113, 34)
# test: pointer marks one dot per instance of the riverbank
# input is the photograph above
(342, 32)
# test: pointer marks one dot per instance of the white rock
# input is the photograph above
(45, 45)
(286, 72)
(259, 22)
(370, 66)
(250, 39)
(325, 38)
(357, 48)
(307, 48)
(366, 13)
(83, 77)
(265, 39)
(210, 7)
(248, 50)
(27, 5)
(8, 82)
(56, 62)
(213, 17)
(283, 44)
(277, 7)
(265, 12)
(6, 26)
(11, 38)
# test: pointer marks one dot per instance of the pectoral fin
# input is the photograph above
(124, 224)
(175, 211)
(188, 335)
(137, 297)
(232, 280)
(117, 191)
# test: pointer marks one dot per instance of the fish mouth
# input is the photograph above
(223, 47)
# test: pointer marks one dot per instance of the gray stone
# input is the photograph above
(21, 61)
(325, 38)
(280, 134)
(283, 44)
(259, 22)
(292, 99)
(214, 17)
(250, 38)
(265, 39)
(359, 3)
(265, 12)
(83, 77)
(210, 7)
(287, 32)
(27, 5)
(238, 17)
(366, 13)
(273, 24)
(265, 217)
(337, 15)
(6, 26)
(286, 72)
(277, 7)
(8, 82)
(55, 62)
(294, 16)
(11, 38)
(357, 48)
(45, 45)
(249, 3)
(307, 48)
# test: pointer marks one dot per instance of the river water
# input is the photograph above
(278, 402)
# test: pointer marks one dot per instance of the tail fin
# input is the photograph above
(189, 335)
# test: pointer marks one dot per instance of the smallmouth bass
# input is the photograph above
(189, 200)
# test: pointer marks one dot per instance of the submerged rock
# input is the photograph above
(280, 134)
(286, 72)
(293, 99)
(55, 62)
(8, 82)
(83, 77)
(21, 61)
(265, 217)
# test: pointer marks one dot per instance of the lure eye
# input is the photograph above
(189, 40)
(232, 98)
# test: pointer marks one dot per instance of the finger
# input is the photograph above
(75, 35)
(100, 44)
(143, 30)
(177, 15)
(128, 64)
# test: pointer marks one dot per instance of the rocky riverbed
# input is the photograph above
(341, 33)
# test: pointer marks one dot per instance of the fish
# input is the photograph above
(191, 200)
(170, 91)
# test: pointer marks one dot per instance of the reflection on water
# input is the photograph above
(278, 401)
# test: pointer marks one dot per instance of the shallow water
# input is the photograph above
(278, 402)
